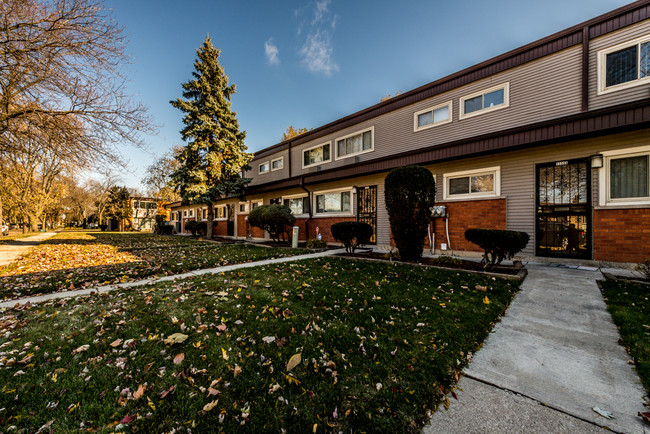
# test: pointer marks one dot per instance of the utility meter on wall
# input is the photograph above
(439, 211)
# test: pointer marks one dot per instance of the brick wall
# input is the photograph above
(241, 226)
(325, 224)
(622, 235)
(220, 228)
(185, 220)
(484, 214)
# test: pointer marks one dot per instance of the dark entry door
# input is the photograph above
(564, 209)
(230, 209)
(367, 208)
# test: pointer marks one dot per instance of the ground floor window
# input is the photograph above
(626, 176)
(474, 183)
(297, 205)
(333, 202)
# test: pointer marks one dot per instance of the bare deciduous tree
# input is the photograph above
(60, 72)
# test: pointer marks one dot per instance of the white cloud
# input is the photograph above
(317, 50)
(317, 53)
(271, 51)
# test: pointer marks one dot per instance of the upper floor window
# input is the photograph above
(624, 65)
(316, 155)
(264, 167)
(487, 100)
(472, 183)
(277, 163)
(433, 116)
(297, 205)
(627, 177)
(354, 144)
(334, 202)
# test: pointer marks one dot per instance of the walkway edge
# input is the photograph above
(150, 281)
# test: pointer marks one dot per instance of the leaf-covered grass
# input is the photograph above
(378, 344)
(629, 305)
(76, 259)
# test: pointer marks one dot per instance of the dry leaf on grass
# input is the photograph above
(293, 361)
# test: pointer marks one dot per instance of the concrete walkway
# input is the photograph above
(108, 288)
(558, 347)
(12, 250)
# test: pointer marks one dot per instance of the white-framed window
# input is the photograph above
(263, 167)
(191, 213)
(277, 163)
(318, 154)
(333, 202)
(205, 214)
(624, 65)
(298, 204)
(185, 213)
(243, 207)
(255, 203)
(432, 116)
(355, 143)
(487, 100)
(625, 177)
(220, 212)
(472, 183)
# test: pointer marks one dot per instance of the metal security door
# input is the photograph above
(230, 229)
(367, 208)
(564, 209)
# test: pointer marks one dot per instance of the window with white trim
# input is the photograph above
(472, 183)
(354, 144)
(316, 155)
(297, 205)
(243, 207)
(624, 65)
(263, 167)
(191, 213)
(185, 213)
(277, 163)
(487, 100)
(432, 116)
(205, 214)
(256, 203)
(220, 212)
(627, 177)
(333, 202)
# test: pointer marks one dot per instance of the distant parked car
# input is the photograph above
(4, 229)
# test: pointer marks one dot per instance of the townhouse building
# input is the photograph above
(552, 138)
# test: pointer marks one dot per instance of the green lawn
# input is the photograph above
(629, 305)
(375, 347)
(76, 259)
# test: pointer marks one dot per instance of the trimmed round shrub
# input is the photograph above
(277, 220)
(410, 193)
(166, 229)
(201, 228)
(191, 226)
(497, 244)
(352, 234)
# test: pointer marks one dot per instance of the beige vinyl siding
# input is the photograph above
(271, 175)
(544, 89)
(620, 96)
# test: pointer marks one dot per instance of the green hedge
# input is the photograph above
(497, 244)
(352, 234)
(410, 193)
(277, 220)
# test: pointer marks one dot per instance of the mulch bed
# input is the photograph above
(447, 262)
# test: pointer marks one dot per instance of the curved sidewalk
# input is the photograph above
(12, 250)
(108, 288)
(553, 358)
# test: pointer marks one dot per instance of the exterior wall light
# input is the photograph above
(596, 161)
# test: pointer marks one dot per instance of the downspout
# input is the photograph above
(302, 185)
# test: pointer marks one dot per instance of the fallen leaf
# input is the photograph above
(179, 358)
(176, 338)
(604, 413)
(224, 354)
(294, 361)
(80, 349)
(209, 406)
(138, 393)
(116, 343)
(645, 416)
(166, 392)
(237, 370)
(127, 419)
(268, 339)
(486, 300)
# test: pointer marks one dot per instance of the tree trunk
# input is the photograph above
(208, 229)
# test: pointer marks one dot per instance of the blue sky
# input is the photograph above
(309, 63)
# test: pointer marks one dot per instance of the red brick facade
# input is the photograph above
(241, 226)
(484, 214)
(622, 235)
(324, 225)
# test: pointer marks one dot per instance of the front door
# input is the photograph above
(230, 210)
(367, 208)
(564, 209)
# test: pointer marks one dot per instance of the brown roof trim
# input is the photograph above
(629, 116)
(598, 26)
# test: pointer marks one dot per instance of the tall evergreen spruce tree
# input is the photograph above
(215, 152)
